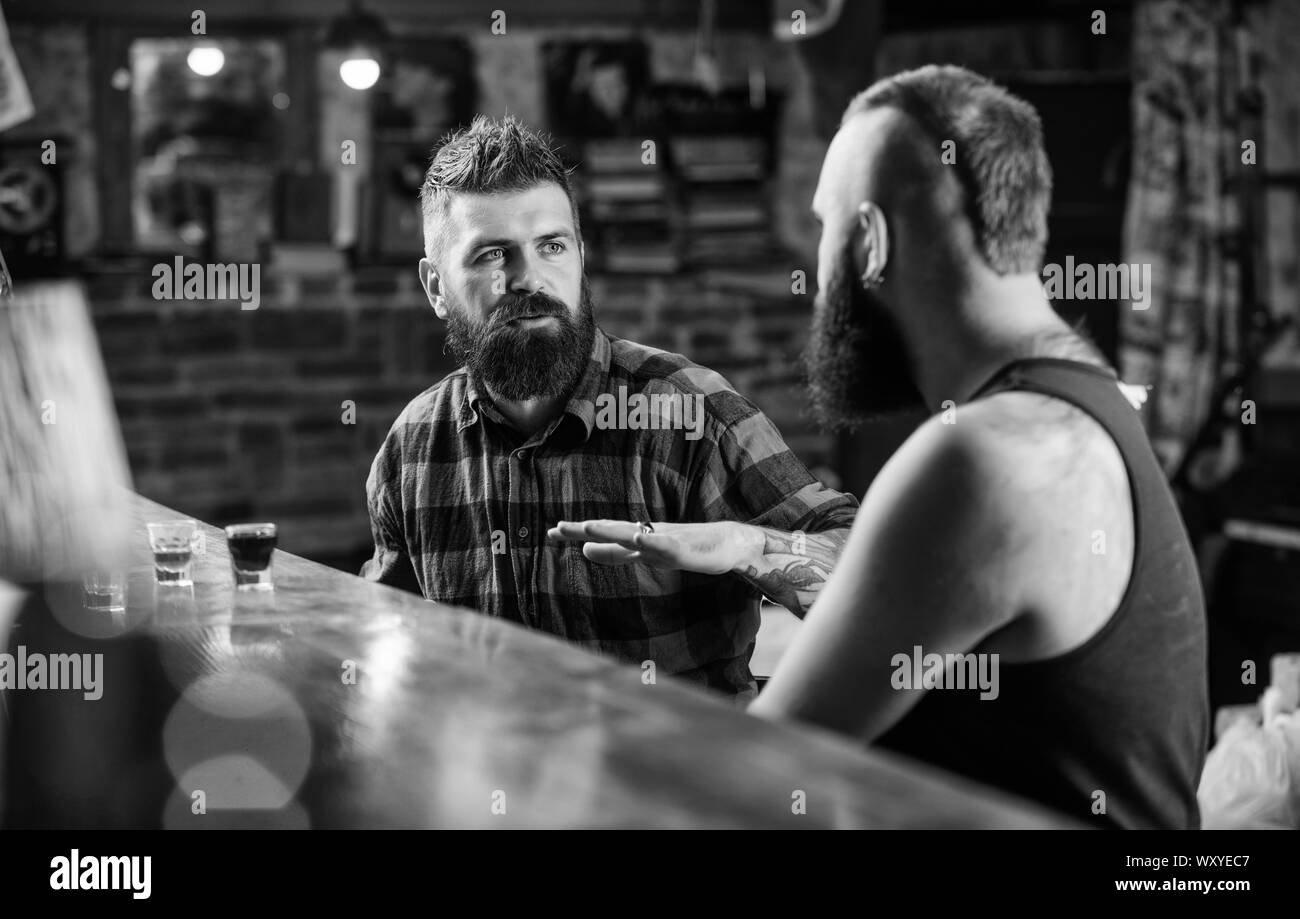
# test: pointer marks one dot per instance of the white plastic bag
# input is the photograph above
(1252, 777)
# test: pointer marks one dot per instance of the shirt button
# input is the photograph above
(521, 454)
(523, 532)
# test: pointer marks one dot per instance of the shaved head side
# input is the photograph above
(999, 163)
(883, 155)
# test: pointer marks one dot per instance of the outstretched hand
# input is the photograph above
(704, 548)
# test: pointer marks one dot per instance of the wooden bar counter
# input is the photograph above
(333, 702)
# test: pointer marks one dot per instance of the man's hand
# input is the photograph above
(704, 548)
(789, 568)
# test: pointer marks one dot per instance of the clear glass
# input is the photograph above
(173, 543)
(251, 546)
(104, 591)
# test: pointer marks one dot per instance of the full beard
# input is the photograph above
(516, 363)
(856, 359)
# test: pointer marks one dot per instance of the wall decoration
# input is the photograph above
(428, 92)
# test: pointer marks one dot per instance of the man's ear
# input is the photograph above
(872, 250)
(432, 284)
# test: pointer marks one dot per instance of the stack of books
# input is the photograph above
(628, 209)
(725, 212)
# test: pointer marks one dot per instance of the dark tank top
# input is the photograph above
(1126, 713)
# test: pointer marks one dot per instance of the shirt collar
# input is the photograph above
(582, 401)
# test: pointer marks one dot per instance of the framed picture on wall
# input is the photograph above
(205, 144)
(596, 88)
(31, 210)
(428, 91)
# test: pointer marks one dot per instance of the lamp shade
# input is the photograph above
(356, 29)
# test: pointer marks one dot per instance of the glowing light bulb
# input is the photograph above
(360, 72)
(206, 62)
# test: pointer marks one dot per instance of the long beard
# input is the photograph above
(518, 363)
(856, 360)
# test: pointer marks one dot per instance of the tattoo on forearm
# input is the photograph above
(795, 566)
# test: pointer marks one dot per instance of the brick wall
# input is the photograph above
(233, 414)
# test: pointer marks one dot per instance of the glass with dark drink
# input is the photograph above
(251, 545)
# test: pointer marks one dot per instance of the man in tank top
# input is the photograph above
(1017, 600)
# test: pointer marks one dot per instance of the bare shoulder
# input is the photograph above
(1023, 443)
(1041, 471)
(1056, 480)
(1048, 441)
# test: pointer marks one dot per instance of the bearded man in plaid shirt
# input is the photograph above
(618, 496)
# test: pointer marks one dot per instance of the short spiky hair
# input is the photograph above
(487, 157)
(1001, 163)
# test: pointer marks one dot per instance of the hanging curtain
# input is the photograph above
(1178, 216)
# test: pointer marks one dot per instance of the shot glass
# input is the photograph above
(173, 543)
(104, 591)
(251, 545)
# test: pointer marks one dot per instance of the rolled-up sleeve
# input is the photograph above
(752, 476)
(390, 563)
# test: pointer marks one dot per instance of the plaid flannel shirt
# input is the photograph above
(460, 503)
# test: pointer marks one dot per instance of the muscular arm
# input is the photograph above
(930, 561)
(791, 568)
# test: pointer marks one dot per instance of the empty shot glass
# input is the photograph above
(104, 591)
(173, 543)
(251, 546)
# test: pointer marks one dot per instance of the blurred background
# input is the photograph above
(293, 134)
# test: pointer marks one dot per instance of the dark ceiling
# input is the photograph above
(757, 15)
